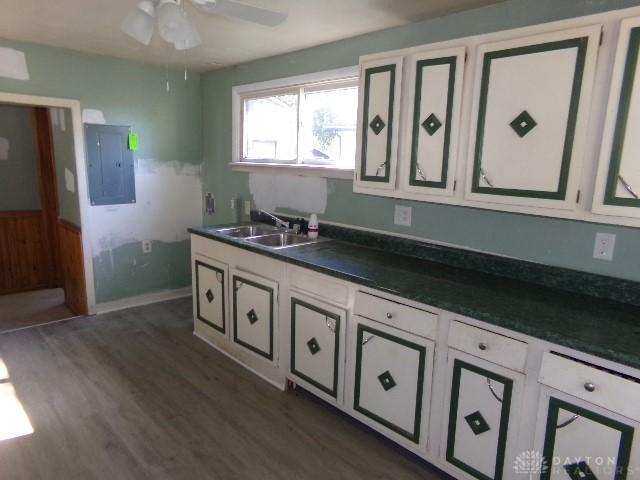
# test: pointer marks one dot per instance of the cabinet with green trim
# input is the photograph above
(378, 121)
(211, 307)
(483, 411)
(618, 181)
(430, 129)
(317, 346)
(392, 381)
(530, 113)
(254, 313)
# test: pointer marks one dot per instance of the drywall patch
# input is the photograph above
(168, 201)
(13, 64)
(302, 194)
(69, 180)
(91, 115)
(4, 148)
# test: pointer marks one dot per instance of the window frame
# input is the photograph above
(297, 84)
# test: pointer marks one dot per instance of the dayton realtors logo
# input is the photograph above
(532, 463)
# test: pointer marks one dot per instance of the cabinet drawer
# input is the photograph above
(495, 348)
(319, 285)
(414, 320)
(594, 385)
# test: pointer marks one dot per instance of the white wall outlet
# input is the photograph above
(604, 246)
(402, 216)
(233, 204)
(146, 246)
(247, 207)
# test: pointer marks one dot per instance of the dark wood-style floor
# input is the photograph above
(26, 309)
(134, 395)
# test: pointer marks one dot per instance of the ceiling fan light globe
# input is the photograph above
(190, 40)
(148, 7)
(139, 26)
(173, 25)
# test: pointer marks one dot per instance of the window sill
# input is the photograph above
(300, 170)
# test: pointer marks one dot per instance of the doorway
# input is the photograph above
(41, 249)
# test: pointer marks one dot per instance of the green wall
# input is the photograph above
(19, 189)
(169, 126)
(550, 241)
(65, 159)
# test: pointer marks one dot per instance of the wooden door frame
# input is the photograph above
(81, 171)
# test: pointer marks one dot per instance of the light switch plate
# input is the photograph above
(402, 216)
(146, 246)
(604, 246)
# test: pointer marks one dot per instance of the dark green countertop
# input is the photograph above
(605, 328)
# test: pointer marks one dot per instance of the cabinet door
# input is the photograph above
(317, 343)
(618, 183)
(211, 301)
(531, 112)
(378, 117)
(392, 379)
(433, 115)
(254, 313)
(583, 442)
(481, 400)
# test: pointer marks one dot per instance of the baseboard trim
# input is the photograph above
(144, 299)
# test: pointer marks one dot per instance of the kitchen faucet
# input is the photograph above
(278, 221)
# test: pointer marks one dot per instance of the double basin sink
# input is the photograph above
(268, 236)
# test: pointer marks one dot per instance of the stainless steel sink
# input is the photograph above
(283, 240)
(246, 231)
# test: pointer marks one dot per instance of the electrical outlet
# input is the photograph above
(146, 246)
(247, 207)
(402, 216)
(604, 246)
(233, 204)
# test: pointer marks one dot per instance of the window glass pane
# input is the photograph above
(328, 133)
(271, 128)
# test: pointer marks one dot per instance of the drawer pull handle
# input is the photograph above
(389, 315)
(493, 392)
(568, 422)
(368, 339)
(589, 387)
(483, 346)
(331, 324)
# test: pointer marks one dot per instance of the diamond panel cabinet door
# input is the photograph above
(530, 113)
(211, 294)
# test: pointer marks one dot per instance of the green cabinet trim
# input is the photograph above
(624, 106)
(336, 362)
(458, 366)
(626, 435)
(365, 124)
(560, 194)
(418, 124)
(200, 317)
(237, 279)
(414, 436)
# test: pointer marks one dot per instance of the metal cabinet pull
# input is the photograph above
(628, 187)
(589, 387)
(420, 172)
(382, 165)
(389, 315)
(483, 346)
(493, 392)
(331, 324)
(368, 339)
(485, 178)
(568, 422)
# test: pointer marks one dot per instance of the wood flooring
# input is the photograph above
(26, 309)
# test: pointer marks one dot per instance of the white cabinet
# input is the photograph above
(618, 182)
(378, 119)
(254, 301)
(530, 112)
(317, 346)
(211, 293)
(430, 130)
(392, 380)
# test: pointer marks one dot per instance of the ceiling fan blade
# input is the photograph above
(232, 9)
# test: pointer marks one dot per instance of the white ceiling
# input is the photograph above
(93, 26)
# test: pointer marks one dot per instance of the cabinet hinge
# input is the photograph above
(578, 197)
(466, 57)
(455, 184)
(601, 36)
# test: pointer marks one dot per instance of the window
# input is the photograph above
(296, 123)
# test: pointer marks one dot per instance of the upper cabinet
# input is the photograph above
(378, 118)
(529, 118)
(617, 189)
(430, 137)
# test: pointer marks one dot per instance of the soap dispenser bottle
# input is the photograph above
(313, 226)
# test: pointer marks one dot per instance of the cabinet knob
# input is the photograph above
(483, 346)
(589, 387)
(389, 315)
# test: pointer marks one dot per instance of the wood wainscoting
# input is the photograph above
(25, 258)
(72, 263)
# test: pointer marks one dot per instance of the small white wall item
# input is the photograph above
(13, 64)
(90, 115)
(4, 149)
(303, 194)
(69, 180)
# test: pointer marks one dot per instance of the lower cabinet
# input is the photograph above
(392, 380)
(254, 302)
(317, 346)
(481, 416)
(211, 293)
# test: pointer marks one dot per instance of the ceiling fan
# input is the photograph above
(175, 26)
